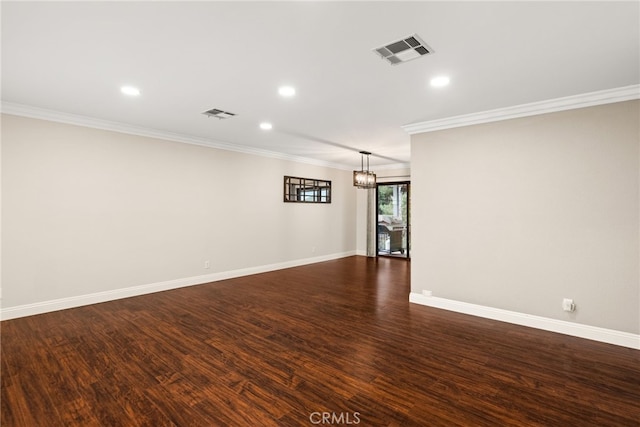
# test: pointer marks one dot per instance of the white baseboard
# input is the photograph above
(7, 313)
(610, 336)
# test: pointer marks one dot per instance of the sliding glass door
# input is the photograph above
(393, 219)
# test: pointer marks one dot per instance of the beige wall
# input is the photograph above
(522, 213)
(87, 211)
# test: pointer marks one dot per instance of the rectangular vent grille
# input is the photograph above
(403, 50)
(219, 114)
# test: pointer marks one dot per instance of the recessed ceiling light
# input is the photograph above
(130, 90)
(266, 126)
(440, 81)
(287, 91)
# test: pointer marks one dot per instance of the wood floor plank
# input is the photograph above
(334, 339)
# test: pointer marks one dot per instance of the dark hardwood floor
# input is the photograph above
(325, 344)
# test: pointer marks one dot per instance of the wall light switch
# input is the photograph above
(568, 305)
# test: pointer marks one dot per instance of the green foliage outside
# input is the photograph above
(385, 200)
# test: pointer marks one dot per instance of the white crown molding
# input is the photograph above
(610, 336)
(7, 313)
(590, 99)
(90, 122)
(393, 166)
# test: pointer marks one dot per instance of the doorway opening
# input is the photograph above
(392, 205)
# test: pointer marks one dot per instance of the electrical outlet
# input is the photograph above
(568, 305)
(207, 264)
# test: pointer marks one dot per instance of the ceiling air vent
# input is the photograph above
(404, 50)
(219, 114)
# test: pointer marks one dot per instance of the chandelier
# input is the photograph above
(364, 178)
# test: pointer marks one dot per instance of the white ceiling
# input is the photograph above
(188, 57)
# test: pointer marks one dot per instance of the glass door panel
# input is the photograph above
(393, 219)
